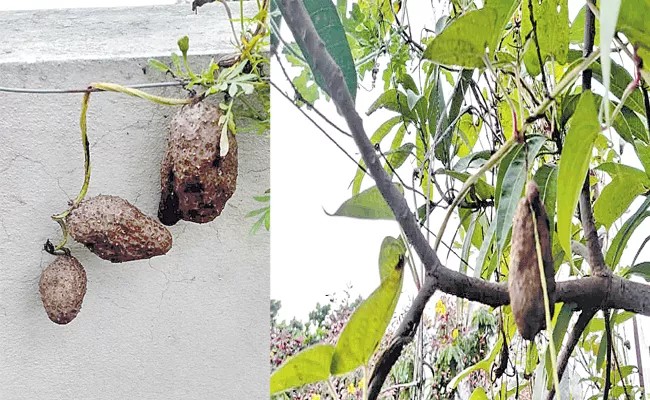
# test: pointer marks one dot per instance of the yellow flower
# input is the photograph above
(441, 308)
(315, 396)
(351, 389)
(360, 384)
(454, 333)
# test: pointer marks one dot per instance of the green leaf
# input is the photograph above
(615, 199)
(634, 24)
(342, 8)
(391, 256)
(306, 87)
(619, 80)
(532, 358)
(629, 125)
(309, 366)
(577, 30)
(367, 325)
(574, 163)
(467, 134)
(473, 160)
(609, 14)
(552, 32)
(560, 326)
(482, 188)
(484, 364)
(398, 156)
(618, 170)
(546, 179)
(176, 61)
(512, 184)
(623, 235)
(393, 100)
(377, 137)
(467, 243)
(408, 83)
(466, 40)
(328, 25)
(485, 249)
(160, 66)
(641, 269)
(643, 151)
(369, 204)
(602, 351)
(478, 394)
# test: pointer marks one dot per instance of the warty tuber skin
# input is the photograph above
(524, 280)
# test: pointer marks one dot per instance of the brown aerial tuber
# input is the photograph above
(524, 280)
(196, 181)
(63, 287)
(116, 230)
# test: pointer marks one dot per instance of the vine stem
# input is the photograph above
(547, 306)
(59, 218)
(496, 157)
(111, 87)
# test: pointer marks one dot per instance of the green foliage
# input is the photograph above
(361, 335)
(498, 121)
(367, 326)
(552, 29)
(326, 20)
(308, 366)
(510, 184)
(263, 213)
(465, 41)
(369, 204)
(574, 164)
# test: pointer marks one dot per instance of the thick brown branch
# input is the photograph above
(587, 293)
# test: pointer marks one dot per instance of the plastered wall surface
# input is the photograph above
(192, 324)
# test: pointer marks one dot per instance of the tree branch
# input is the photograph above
(608, 365)
(594, 251)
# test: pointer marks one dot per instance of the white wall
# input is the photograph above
(192, 324)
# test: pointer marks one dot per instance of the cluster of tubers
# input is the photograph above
(524, 279)
(196, 184)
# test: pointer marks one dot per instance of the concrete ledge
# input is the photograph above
(109, 33)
